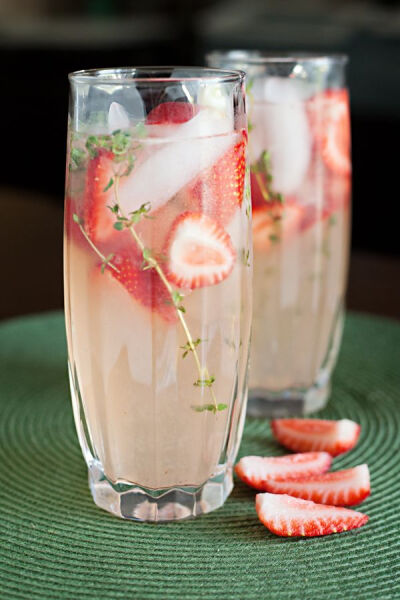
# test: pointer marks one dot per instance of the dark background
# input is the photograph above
(42, 40)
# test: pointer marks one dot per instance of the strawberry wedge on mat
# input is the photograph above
(341, 488)
(258, 471)
(288, 516)
(199, 252)
(311, 435)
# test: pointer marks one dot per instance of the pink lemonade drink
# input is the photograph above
(299, 149)
(157, 276)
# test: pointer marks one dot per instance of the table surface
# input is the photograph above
(55, 543)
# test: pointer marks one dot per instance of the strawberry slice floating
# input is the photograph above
(308, 435)
(341, 488)
(218, 191)
(145, 286)
(330, 120)
(258, 471)
(199, 252)
(287, 516)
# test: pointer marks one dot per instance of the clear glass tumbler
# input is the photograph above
(299, 148)
(157, 276)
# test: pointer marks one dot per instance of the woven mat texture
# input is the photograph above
(55, 543)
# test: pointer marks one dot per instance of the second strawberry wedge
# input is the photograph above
(340, 488)
(289, 517)
(308, 435)
(199, 251)
(259, 471)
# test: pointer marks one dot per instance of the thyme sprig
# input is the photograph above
(122, 148)
(205, 382)
(106, 260)
(190, 347)
(129, 222)
(246, 257)
(120, 143)
(210, 407)
(262, 168)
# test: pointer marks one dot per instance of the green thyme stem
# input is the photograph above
(203, 371)
(99, 254)
(261, 185)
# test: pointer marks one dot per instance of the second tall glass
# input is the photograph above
(299, 148)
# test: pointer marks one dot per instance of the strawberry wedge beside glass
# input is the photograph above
(299, 147)
(157, 275)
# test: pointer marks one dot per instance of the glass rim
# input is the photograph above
(259, 57)
(129, 75)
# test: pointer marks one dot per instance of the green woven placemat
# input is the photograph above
(55, 543)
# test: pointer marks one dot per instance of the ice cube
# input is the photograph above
(283, 130)
(208, 121)
(174, 162)
(286, 90)
(117, 117)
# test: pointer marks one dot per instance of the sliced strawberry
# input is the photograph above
(341, 488)
(199, 252)
(172, 113)
(309, 435)
(218, 191)
(257, 471)
(274, 222)
(288, 516)
(330, 121)
(145, 286)
(97, 217)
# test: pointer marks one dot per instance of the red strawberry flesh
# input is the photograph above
(257, 471)
(97, 217)
(340, 488)
(309, 435)
(290, 517)
(172, 113)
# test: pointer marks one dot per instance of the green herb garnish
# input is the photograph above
(210, 407)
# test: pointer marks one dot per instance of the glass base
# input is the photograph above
(288, 403)
(172, 504)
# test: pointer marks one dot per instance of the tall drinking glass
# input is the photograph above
(157, 276)
(299, 151)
